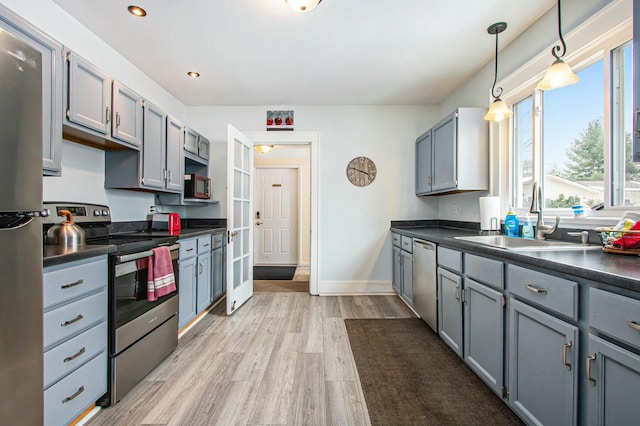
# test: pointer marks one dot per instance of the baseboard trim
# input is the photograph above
(355, 288)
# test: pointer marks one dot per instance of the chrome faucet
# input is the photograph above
(536, 207)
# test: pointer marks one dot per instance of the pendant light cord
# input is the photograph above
(496, 91)
(555, 51)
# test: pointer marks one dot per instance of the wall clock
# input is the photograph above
(361, 171)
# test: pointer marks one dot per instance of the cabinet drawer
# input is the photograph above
(217, 240)
(615, 315)
(557, 294)
(407, 243)
(396, 239)
(71, 319)
(487, 271)
(65, 400)
(73, 280)
(188, 248)
(450, 259)
(68, 356)
(204, 244)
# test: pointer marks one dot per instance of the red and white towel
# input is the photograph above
(160, 278)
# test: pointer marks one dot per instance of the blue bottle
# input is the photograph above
(511, 225)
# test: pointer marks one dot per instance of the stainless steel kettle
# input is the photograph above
(67, 233)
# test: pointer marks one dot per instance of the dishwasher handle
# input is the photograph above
(424, 244)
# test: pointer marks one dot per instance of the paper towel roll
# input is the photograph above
(489, 213)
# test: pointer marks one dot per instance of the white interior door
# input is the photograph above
(276, 216)
(239, 220)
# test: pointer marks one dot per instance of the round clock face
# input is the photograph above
(361, 171)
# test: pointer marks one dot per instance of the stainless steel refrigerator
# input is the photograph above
(21, 117)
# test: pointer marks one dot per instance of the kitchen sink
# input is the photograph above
(523, 244)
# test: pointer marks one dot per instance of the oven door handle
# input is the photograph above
(142, 254)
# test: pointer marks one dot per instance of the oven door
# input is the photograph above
(130, 285)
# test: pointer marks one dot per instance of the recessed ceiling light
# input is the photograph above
(137, 11)
(193, 74)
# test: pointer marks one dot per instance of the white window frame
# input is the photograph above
(609, 28)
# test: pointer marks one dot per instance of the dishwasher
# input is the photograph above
(425, 300)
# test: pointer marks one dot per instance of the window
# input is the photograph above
(577, 139)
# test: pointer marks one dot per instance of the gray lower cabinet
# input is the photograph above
(75, 338)
(218, 276)
(543, 366)
(195, 278)
(402, 259)
(613, 376)
(613, 372)
(450, 309)
(483, 333)
(188, 270)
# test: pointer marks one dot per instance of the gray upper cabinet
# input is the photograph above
(423, 163)
(203, 147)
(127, 115)
(459, 156)
(154, 147)
(175, 156)
(89, 95)
(191, 140)
(52, 86)
(196, 144)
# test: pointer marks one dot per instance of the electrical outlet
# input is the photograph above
(152, 209)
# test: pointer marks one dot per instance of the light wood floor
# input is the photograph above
(282, 359)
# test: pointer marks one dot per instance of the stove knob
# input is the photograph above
(105, 212)
(97, 213)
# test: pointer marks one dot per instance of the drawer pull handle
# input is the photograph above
(634, 325)
(76, 355)
(590, 359)
(536, 290)
(69, 322)
(205, 245)
(565, 349)
(189, 249)
(73, 284)
(74, 396)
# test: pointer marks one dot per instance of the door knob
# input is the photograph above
(258, 223)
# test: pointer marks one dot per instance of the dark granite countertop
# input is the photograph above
(609, 268)
(56, 255)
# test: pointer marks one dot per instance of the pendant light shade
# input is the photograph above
(303, 5)
(262, 149)
(499, 110)
(559, 74)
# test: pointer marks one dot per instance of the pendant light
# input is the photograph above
(499, 109)
(303, 5)
(559, 74)
(263, 149)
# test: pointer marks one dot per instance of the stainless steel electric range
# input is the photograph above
(141, 333)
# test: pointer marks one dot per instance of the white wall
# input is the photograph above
(354, 222)
(83, 168)
(539, 37)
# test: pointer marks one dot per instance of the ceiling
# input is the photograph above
(345, 52)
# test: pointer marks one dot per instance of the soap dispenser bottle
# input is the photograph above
(511, 225)
(527, 228)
